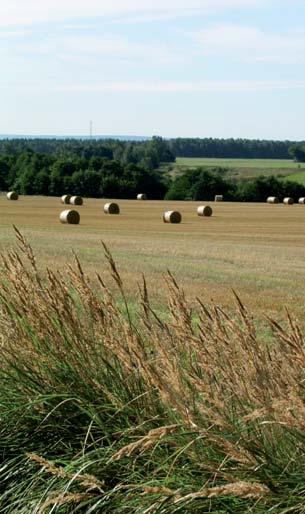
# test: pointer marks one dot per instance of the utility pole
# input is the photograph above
(91, 126)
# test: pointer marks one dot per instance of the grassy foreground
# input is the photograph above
(107, 410)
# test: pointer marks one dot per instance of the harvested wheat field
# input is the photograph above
(256, 249)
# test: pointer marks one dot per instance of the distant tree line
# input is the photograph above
(230, 148)
(119, 169)
(33, 173)
(152, 153)
(203, 184)
(148, 154)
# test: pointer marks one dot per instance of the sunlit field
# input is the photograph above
(244, 168)
(239, 163)
(256, 249)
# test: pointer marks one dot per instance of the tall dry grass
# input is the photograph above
(105, 408)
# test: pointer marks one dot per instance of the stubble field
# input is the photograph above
(256, 249)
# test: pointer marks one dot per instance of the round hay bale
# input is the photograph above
(204, 210)
(142, 196)
(111, 208)
(12, 195)
(272, 199)
(172, 217)
(218, 198)
(302, 199)
(76, 200)
(66, 199)
(288, 201)
(71, 217)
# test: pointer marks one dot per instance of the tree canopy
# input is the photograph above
(204, 184)
(298, 152)
(120, 169)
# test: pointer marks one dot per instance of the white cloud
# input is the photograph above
(78, 26)
(14, 33)
(181, 87)
(115, 46)
(251, 43)
(138, 18)
(73, 47)
(23, 12)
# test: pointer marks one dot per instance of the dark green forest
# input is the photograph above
(120, 169)
(297, 151)
(203, 184)
(232, 148)
(147, 154)
(151, 153)
(33, 173)
(106, 168)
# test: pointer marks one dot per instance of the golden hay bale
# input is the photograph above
(111, 208)
(172, 217)
(76, 200)
(66, 199)
(288, 201)
(272, 199)
(302, 199)
(12, 195)
(204, 210)
(71, 217)
(142, 196)
(218, 198)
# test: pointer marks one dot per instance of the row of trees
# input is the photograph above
(148, 154)
(32, 173)
(231, 148)
(35, 173)
(203, 184)
(151, 153)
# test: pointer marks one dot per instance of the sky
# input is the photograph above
(174, 68)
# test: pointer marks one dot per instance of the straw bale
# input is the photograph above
(66, 199)
(111, 208)
(142, 196)
(172, 217)
(272, 199)
(218, 198)
(76, 200)
(288, 201)
(12, 195)
(71, 217)
(204, 210)
(302, 199)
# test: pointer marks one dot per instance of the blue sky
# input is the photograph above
(191, 68)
